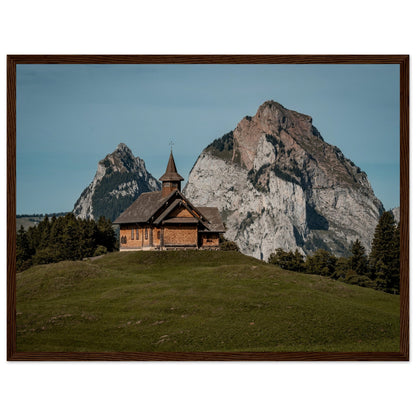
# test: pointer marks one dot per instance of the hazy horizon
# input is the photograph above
(71, 116)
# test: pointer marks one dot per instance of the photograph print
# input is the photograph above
(177, 210)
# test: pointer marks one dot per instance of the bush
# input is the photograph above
(23, 265)
(228, 245)
(322, 262)
(288, 260)
(46, 256)
(100, 250)
(355, 279)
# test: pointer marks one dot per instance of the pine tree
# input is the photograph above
(358, 260)
(71, 238)
(55, 238)
(106, 236)
(394, 282)
(342, 266)
(44, 228)
(385, 254)
(23, 250)
(88, 230)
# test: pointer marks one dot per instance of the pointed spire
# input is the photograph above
(171, 173)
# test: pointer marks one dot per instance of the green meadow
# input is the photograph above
(196, 301)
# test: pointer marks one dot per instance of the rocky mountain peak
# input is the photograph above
(120, 179)
(123, 148)
(275, 117)
(121, 160)
(279, 184)
(276, 121)
(287, 141)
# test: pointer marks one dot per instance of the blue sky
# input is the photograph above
(70, 116)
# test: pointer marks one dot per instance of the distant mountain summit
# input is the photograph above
(120, 179)
(278, 184)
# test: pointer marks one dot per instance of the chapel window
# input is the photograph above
(132, 234)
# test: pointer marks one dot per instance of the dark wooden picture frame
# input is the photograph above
(402, 60)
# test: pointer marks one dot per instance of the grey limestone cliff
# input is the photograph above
(396, 214)
(278, 184)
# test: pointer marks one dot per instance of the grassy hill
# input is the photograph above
(196, 301)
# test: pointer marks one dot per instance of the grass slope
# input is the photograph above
(196, 301)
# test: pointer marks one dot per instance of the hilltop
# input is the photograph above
(196, 301)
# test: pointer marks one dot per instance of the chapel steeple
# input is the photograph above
(171, 180)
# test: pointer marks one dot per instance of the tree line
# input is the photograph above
(379, 270)
(71, 238)
(63, 238)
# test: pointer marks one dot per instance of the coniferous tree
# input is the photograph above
(342, 266)
(385, 254)
(358, 260)
(44, 228)
(23, 250)
(63, 238)
(106, 236)
(55, 238)
(71, 239)
(88, 230)
(394, 282)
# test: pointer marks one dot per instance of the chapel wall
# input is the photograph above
(180, 235)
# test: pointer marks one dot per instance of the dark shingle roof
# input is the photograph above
(212, 214)
(166, 212)
(142, 208)
(150, 203)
